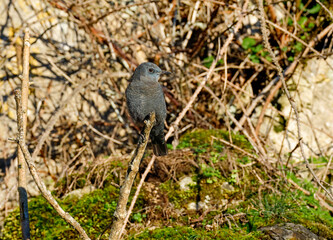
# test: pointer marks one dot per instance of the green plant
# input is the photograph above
(233, 176)
(209, 173)
(216, 157)
(255, 50)
(138, 217)
(207, 62)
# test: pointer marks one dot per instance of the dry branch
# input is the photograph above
(22, 167)
(130, 209)
(41, 186)
(258, 149)
(125, 190)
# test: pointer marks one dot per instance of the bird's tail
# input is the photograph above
(159, 145)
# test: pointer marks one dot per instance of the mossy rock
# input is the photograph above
(319, 229)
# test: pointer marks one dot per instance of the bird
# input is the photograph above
(144, 95)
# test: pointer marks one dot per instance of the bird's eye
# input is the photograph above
(151, 70)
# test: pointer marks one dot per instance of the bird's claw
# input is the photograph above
(142, 138)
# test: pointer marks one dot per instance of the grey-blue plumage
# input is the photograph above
(144, 95)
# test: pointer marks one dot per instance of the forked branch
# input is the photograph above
(41, 186)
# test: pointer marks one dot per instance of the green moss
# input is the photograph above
(319, 228)
(93, 212)
(176, 196)
(258, 204)
(201, 140)
(185, 232)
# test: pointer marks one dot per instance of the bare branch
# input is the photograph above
(22, 167)
(125, 190)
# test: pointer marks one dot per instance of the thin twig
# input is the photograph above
(323, 203)
(98, 132)
(59, 70)
(236, 147)
(294, 36)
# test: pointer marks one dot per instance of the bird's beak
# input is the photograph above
(165, 73)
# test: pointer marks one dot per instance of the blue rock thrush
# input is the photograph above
(144, 95)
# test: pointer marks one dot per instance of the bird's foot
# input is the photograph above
(142, 138)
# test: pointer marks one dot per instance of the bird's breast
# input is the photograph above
(143, 99)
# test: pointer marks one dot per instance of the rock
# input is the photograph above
(314, 100)
(196, 206)
(185, 183)
(199, 205)
(226, 186)
(289, 231)
(80, 192)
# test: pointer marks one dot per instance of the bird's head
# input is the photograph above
(148, 71)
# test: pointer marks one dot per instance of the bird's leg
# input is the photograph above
(142, 137)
